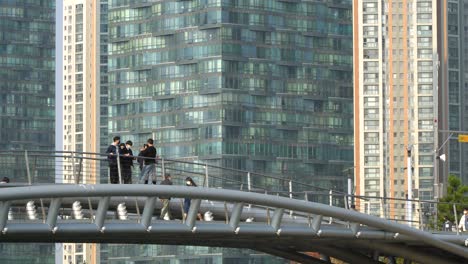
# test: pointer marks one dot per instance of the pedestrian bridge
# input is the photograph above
(281, 226)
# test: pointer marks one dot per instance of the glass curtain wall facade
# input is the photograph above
(103, 80)
(455, 53)
(256, 85)
(27, 86)
(27, 102)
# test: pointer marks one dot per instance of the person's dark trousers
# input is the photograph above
(114, 173)
(127, 174)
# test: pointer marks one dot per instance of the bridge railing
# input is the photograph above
(39, 167)
(36, 167)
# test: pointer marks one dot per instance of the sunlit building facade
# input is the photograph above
(395, 98)
(408, 94)
(84, 102)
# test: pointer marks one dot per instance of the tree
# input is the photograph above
(456, 194)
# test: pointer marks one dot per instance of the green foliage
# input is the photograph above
(456, 194)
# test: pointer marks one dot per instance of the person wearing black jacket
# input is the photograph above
(149, 168)
(165, 211)
(126, 161)
(112, 159)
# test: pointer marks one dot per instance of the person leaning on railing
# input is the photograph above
(149, 154)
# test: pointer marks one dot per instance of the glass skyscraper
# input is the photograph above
(262, 86)
(257, 85)
(27, 71)
(27, 81)
(27, 102)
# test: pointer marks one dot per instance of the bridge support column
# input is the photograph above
(192, 213)
(148, 212)
(101, 212)
(276, 220)
(235, 216)
(4, 208)
(53, 213)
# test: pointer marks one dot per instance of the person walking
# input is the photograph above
(165, 211)
(149, 168)
(112, 152)
(463, 224)
(188, 201)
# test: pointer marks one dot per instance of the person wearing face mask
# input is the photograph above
(126, 161)
(187, 201)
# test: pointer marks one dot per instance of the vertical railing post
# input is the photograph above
(78, 174)
(306, 198)
(456, 217)
(28, 172)
(382, 207)
(163, 168)
(290, 190)
(331, 204)
(290, 196)
(119, 171)
(72, 155)
(249, 183)
(206, 176)
(421, 220)
(385, 204)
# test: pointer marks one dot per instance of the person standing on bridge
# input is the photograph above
(149, 168)
(463, 225)
(166, 211)
(112, 159)
(126, 161)
(140, 160)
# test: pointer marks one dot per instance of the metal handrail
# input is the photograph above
(221, 178)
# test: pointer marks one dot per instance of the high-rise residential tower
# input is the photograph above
(84, 100)
(27, 103)
(395, 62)
(263, 86)
(408, 97)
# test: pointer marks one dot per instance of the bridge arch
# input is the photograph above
(362, 230)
